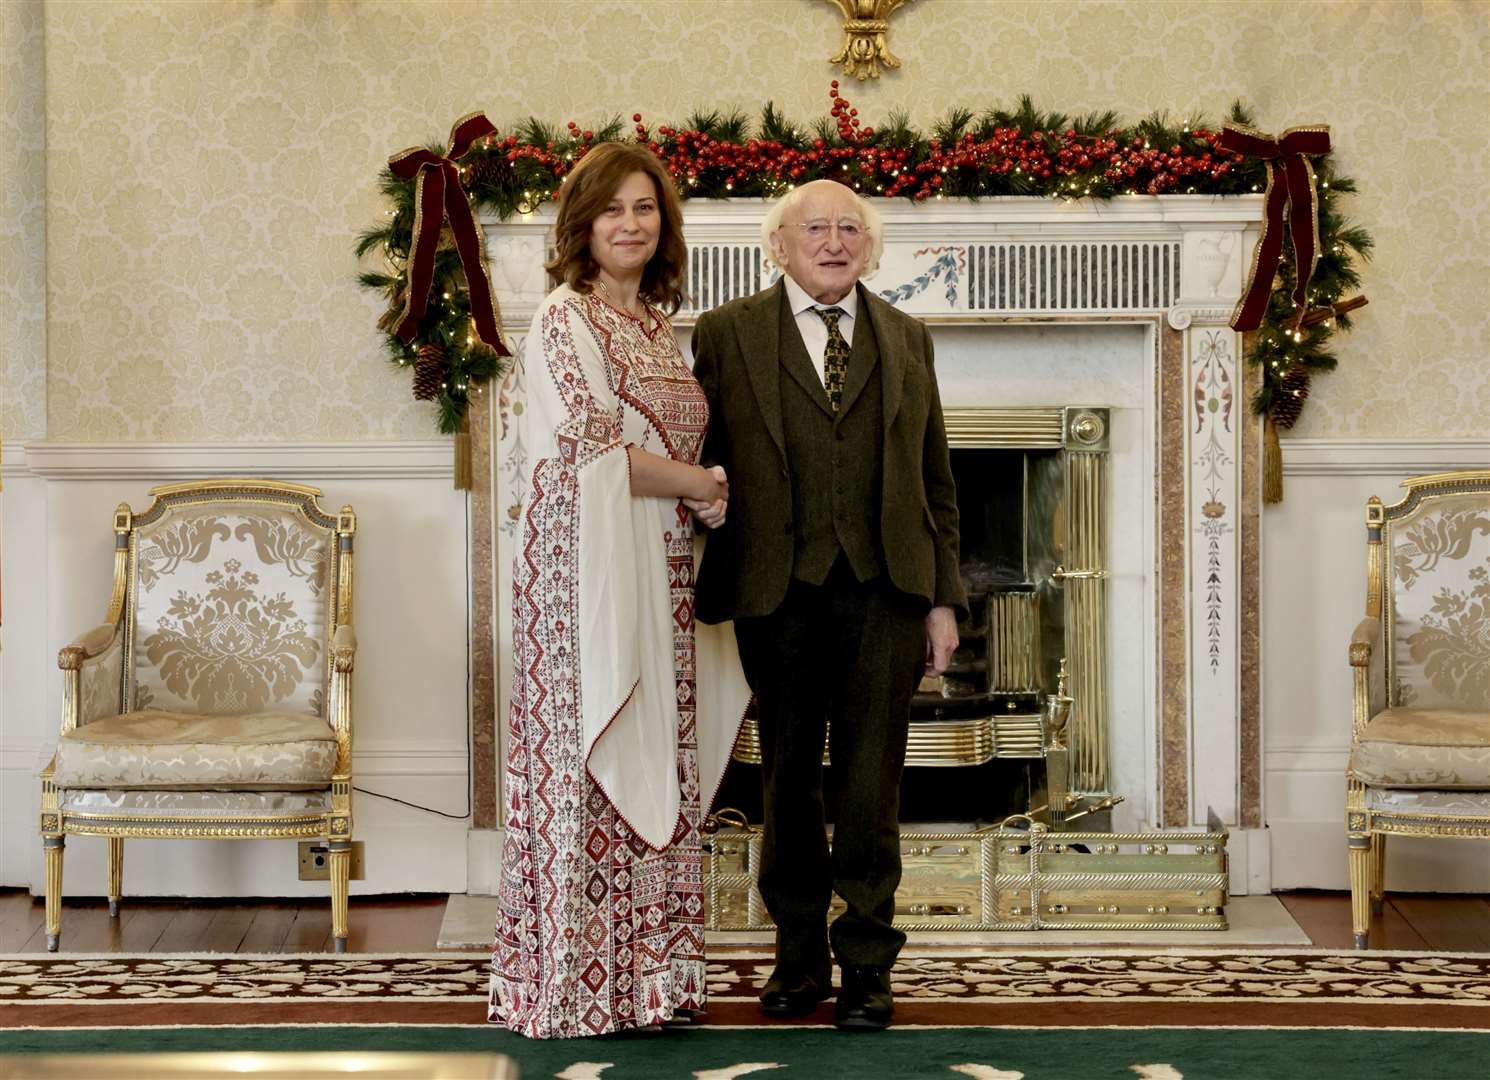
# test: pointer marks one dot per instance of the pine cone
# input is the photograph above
(490, 171)
(429, 371)
(1288, 401)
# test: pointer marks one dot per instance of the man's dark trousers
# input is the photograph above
(845, 656)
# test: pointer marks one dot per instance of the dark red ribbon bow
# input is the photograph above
(438, 196)
(1287, 159)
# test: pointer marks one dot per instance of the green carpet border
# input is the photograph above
(777, 1026)
(1190, 1052)
(749, 952)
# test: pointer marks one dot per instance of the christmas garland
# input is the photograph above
(723, 155)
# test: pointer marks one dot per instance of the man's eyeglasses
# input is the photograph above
(848, 231)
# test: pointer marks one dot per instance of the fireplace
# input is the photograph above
(1029, 494)
(1135, 554)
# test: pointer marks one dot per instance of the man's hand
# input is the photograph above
(941, 639)
(710, 513)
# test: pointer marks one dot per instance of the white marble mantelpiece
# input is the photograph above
(1012, 288)
(1204, 233)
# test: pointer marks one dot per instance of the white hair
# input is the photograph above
(872, 222)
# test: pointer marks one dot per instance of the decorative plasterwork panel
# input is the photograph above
(955, 261)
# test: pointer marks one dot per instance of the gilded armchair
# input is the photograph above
(1420, 731)
(215, 702)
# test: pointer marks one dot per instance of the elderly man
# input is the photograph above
(838, 564)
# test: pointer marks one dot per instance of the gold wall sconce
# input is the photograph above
(865, 24)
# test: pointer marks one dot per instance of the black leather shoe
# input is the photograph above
(865, 1002)
(793, 993)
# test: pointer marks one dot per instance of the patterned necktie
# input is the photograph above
(835, 356)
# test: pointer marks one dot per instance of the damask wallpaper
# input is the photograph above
(23, 178)
(209, 164)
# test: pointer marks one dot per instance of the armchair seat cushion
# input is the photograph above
(1442, 749)
(151, 803)
(153, 749)
(1419, 803)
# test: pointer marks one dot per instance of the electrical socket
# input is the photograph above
(315, 862)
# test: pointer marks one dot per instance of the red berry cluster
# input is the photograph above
(544, 156)
(1165, 169)
(1060, 163)
(1067, 162)
(847, 117)
(1003, 160)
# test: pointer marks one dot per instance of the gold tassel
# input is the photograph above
(463, 456)
(1272, 462)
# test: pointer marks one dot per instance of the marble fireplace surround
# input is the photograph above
(1123, 304)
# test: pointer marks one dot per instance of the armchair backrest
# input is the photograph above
(1430, 585)
(232, 592)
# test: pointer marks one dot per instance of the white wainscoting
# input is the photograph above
(1314, 593)
(411, 610)
(410, 726)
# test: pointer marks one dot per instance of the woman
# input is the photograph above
(612, 754)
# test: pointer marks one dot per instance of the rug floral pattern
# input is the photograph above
(1444, 978)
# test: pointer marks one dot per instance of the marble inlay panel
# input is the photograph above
(486, 780)
(1173, 547)
(1250, 625)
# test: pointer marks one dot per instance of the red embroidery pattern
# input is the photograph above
(595, 932)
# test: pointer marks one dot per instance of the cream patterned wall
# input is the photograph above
(23, 178)
(209, 165)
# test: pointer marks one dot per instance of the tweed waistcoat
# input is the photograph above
(836, 460)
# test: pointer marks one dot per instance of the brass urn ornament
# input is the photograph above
(865, 24)
(1056, 715)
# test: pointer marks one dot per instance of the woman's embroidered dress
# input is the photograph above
(601, 909)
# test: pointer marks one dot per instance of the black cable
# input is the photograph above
(416, 806)
(469, 797)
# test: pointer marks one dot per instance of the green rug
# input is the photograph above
(1187, 1053)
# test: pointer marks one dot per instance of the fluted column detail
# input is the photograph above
(1086, 618)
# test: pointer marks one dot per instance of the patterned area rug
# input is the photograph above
(1290, 987)
(1192, 1052)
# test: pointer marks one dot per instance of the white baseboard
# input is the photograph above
(407, 848)
(411, 857)
(483, 861)
(1311, 855)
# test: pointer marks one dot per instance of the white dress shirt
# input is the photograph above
(814, 331)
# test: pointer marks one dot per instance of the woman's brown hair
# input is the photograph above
(587, 191)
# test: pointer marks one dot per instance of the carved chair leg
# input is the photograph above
(1361, 859)
(52, 846)
(116, 874)
(1378, 872)
(339, 862)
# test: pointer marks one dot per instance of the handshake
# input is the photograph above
(711, 498)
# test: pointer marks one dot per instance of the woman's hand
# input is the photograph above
(661, 477)
(710, 512)
(713, 485)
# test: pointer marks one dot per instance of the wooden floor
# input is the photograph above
(407, 923)
(1432, 921)
(411, 923)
